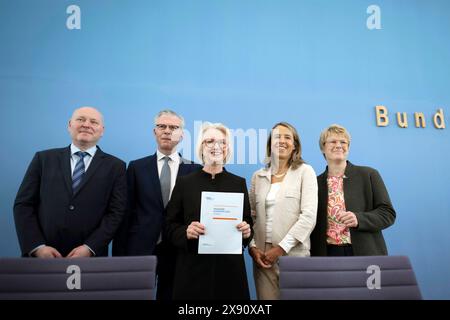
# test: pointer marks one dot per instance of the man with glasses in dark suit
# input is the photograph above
(150, 184)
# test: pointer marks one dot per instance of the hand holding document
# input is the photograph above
(220, 213)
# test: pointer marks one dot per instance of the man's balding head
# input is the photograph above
(86, 127)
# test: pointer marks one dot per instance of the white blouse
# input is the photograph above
(288, 241)
(270, 205)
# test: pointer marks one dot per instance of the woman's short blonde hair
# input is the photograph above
(222, 128)
(333, 129)
(296, 157)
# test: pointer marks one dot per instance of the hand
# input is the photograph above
(47, 252)
(244, 227)
(348, 218)
(273, 254)
(80, 252)
(258, 256)
(194, 230)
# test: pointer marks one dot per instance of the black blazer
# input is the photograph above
(140, 230)
(46, 211)
(366, 196)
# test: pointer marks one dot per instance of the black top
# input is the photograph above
(205, 276)
(366, 196)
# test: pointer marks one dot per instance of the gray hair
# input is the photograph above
(169, 112)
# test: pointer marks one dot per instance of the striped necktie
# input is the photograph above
(78, 171)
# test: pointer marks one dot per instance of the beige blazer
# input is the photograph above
(295, 208)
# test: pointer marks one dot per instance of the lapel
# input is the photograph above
(323, 186)
(184, 165)
(264, 182)
(181, 169)
(95, 163)
(152, 167)
(64, 160)
(265, 178)
(285, 183)
(348, 174)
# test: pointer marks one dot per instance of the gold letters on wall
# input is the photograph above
(382, 117)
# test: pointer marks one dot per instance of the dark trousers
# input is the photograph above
(339, 251)
(165, 270)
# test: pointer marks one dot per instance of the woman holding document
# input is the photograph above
(283, 198)
(209, 221)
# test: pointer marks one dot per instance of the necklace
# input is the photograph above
(279, 175)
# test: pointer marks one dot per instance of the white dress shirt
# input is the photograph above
(87, 160)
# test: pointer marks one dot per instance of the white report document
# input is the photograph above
(220, 213)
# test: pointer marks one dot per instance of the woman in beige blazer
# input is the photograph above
(283, 198)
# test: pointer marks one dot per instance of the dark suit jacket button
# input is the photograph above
(71, 207)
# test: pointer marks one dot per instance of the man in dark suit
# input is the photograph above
(150, 184)
(72, 200)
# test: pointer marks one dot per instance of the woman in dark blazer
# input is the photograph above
(354, 205)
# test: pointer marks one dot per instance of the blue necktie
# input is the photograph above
(78, 171)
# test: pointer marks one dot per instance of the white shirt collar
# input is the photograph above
(174, 156)
(91, 151)
(267, 172)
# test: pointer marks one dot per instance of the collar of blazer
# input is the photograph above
(98, 152)
(349, 170)
(348, 173)
(65, 163)
(182, 160)
(185, 161)
(265, 172)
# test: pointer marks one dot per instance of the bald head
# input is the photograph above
(86, 127)
(90, 110)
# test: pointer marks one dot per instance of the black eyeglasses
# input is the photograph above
(163, 127)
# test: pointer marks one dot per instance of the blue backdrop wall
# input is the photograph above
(247, 64)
